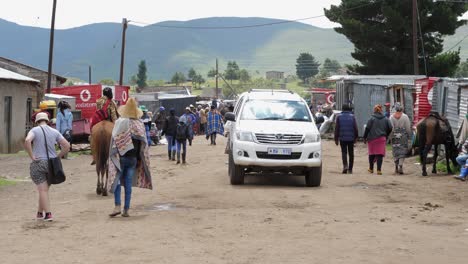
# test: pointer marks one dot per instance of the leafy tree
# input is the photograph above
(198, 79)
(211, 73)
(107, 82)
(329, 68)
(232, 71)
(141, 76)
(244, 76)
(192, 73)
(462, 71)
(445, 64)
(306, 66)
(178, 78)
(133, 80)
(381, 32)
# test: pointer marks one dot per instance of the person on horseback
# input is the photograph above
(106, 109)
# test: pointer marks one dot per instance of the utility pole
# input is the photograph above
(89, 74)
(122, 55)
(51, 47)
(415, 38)
(217, 92)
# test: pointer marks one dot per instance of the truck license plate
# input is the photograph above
(279, 151)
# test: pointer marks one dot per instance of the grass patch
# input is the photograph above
(5, 182)
(21, 153)
(442, 167)
(79, 153)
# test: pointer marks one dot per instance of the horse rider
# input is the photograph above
(106, 104)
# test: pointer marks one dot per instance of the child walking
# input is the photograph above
(182, 134)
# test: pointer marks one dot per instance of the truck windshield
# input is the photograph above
(281, 110)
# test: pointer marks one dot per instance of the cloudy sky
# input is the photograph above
(73, 13)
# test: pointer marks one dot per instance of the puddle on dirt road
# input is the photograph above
(159, 207)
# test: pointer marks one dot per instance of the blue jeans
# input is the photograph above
(171, 146)
(461, 159)
(181, 145)
(128, 168)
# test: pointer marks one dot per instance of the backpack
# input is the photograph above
(181, 132)
(100, 114)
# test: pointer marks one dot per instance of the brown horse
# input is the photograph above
(435, 130)
(101, 135)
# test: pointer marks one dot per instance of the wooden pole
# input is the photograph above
(122, 55)
(51, 48)
(217, 92)
(415, 39)
(89, 74)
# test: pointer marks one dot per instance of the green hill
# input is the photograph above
(167, 50)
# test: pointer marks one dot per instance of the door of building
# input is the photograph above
(8, 101)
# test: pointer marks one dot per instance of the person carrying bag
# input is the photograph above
(44, 169)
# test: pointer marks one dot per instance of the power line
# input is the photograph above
(458, 43)
(248, 26)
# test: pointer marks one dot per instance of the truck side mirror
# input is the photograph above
(230, 116)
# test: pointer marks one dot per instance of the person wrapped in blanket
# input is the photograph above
(462, 160)
(129, 157)
(214, 125)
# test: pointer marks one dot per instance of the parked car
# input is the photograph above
(274, 131)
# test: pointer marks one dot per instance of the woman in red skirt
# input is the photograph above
(378, 129)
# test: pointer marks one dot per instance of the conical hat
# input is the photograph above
(130, 109)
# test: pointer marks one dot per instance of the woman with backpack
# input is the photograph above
(64, 122)
(182, 134)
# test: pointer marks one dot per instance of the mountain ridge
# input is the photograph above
(167, 49)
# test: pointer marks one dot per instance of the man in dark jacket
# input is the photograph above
(346, 133)
(170, 130)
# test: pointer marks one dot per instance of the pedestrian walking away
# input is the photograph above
(170, 130)
(400, 137)
(378, 129)
(182, 135)
(129, 157)
(346, 133)
(64, 122)
(214, 125)
(35, 146)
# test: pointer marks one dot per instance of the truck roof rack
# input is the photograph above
(271, 90)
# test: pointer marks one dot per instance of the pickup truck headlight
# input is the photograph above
(244, 136)
(311, 138)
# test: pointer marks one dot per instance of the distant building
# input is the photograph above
(186, 90)
(18, 95)
(33, 73)
(274, 75)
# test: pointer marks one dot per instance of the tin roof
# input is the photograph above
(384, 80)
(9, 75)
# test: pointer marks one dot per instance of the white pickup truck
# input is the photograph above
(273, 131)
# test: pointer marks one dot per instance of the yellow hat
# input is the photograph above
(130, 109)
(43, 105)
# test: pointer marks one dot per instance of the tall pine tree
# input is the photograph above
(381, 31)
(141, 76)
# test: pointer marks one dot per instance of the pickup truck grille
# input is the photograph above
(265, 155)
(285, 139)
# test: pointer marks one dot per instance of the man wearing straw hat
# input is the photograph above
(128, 157)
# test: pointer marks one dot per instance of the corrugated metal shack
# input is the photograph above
(403, 94)
(365, 91)
(153, 101)
(450, 98)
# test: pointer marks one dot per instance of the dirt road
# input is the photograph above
(195, 216)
